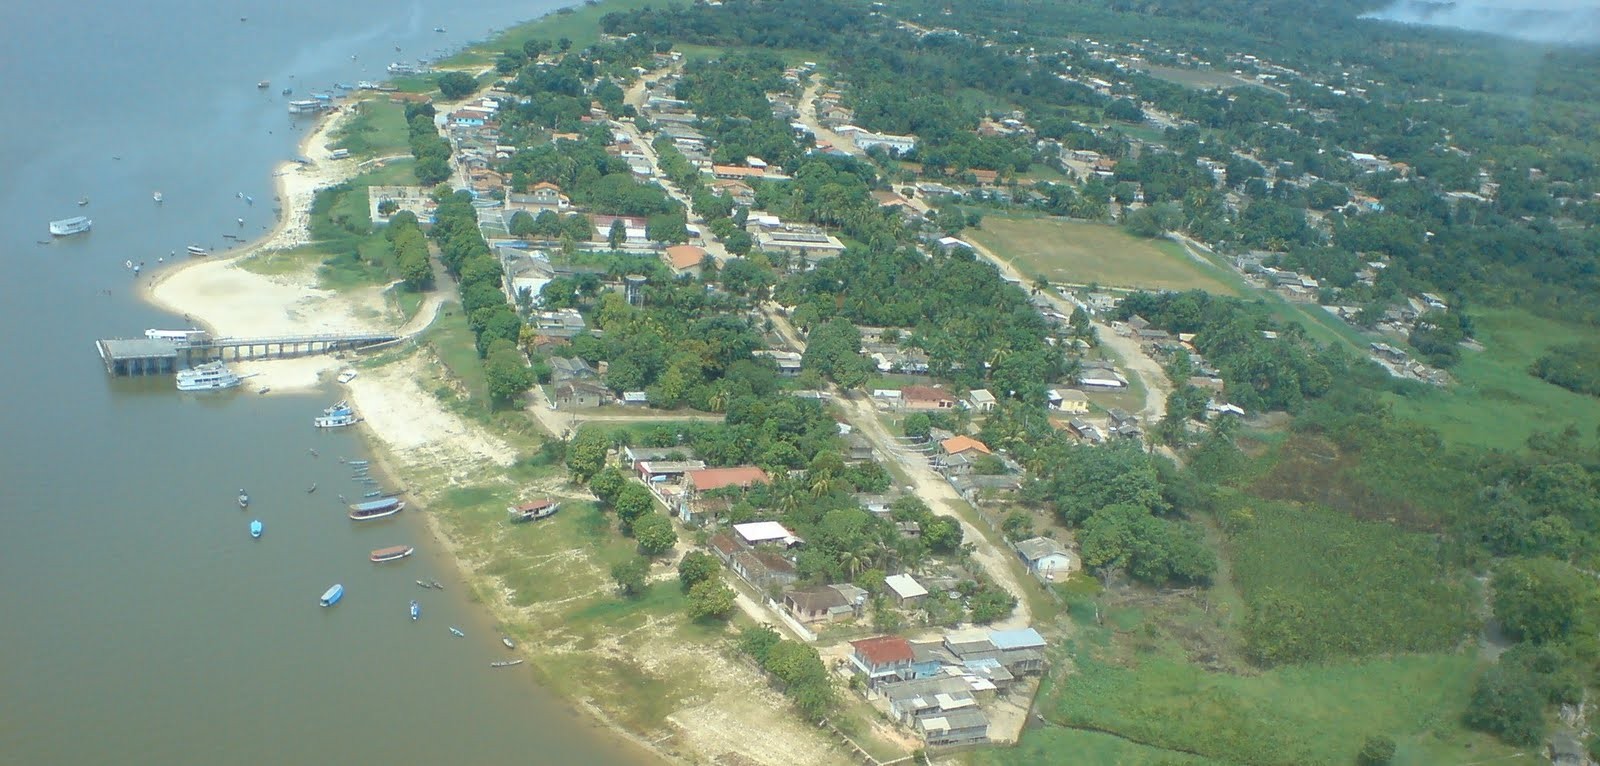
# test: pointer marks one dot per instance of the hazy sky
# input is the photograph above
(1550, 21)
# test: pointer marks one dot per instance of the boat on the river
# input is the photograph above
(207, 377)
(508, 642)
(244, 499)
(505, 663)
(264, 84)
(66, 227)
(157, 197)
(312, 488)
(83, 202)
(357, 463)
(391, 553)
(455, 631)
(373, 493)
(332, 595)
(255, 529)
(376, 509)
(337, 419)
(198, 250)
(542, 508)
(416, 610)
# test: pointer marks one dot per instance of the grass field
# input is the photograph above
(1196, 78)
(1495, 402)
(1083, 253)
(378, 130)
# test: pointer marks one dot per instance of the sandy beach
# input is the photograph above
(417, 439)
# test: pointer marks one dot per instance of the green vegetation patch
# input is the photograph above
(1495, 401)
(1301, 715)
(579, 24)
(1082, 253)
(1320, 586)
(1050, 745)
(378, 129)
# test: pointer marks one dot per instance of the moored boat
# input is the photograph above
(542, 508)
(455, 631)
(69, 226)
(210, 376)
(347, 376)
(357, 463)
(157, 197)
(337, 420)
(391, 553)
(508, 642)
(505, 663)
(376, 509)
(312, 488)
(255, 529)
(373, 493)
(198, 250)
(264, 84)
(416, 610)
(332, 595)
(244, 499)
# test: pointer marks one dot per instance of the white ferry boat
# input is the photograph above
(69, 226)
(207, 377)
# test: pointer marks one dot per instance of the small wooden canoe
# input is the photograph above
(392, 553)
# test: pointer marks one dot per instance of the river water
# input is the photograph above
(139, 623)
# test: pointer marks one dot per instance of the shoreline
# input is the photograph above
(177, 289)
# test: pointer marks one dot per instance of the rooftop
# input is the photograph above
(717, 478)
(1025, 638)
(959, 444)
(884, 650)
(685, 256)
(762, 531)
(904, 586)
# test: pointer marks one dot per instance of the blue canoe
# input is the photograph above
(416, 610)
(332, 595)
(255, 528)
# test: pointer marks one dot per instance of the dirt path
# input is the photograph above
(943, 499)
(926, 484)
(808, 118)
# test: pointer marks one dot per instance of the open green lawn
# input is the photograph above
(1081, 253)
(1495, 402)
(1055, 744)
(378, 130)
(1297, 715)
(1195, 78)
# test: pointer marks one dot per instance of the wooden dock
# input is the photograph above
(165, 356)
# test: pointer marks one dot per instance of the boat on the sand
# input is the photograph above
(391, 553)
(543, 508)
(508, 642)
(332, 595)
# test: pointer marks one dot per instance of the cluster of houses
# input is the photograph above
(938, 688)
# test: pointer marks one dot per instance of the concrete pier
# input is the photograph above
(165, 356)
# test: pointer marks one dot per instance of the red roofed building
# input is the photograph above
(883, 659)
(926, 398)
(685, 259)
(956, 445)
(708, 479)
